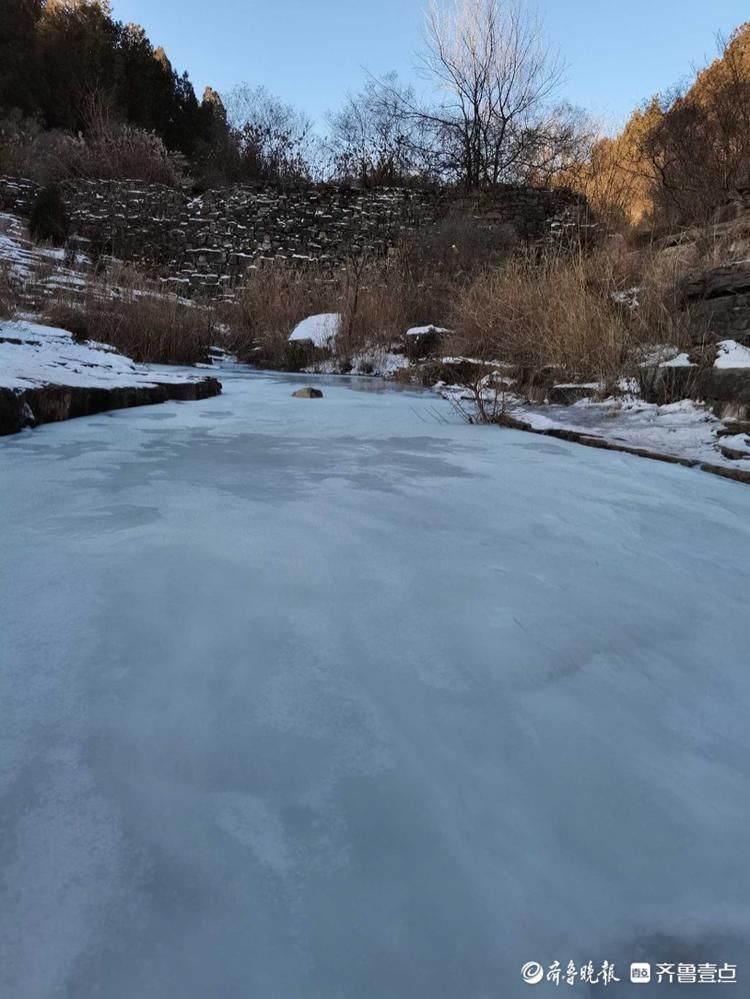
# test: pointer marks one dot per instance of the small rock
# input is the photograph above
(307, 393)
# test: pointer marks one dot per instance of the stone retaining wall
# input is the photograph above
(210, 240)
(719, 303)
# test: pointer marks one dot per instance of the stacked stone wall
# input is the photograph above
(210, 240)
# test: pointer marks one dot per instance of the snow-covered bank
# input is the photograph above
(46, 376)
(348, 701)
(377, 362)
(685, 431)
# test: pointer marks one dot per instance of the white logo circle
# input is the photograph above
(532, 973)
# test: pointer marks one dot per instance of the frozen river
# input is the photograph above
(334, 700)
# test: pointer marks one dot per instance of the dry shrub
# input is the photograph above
(27, 150)
(48, 221)
(460, 243)
(137, 318)
(120, 152)
(109, 151)
(437, 264)
(539, 312)
(376, 300)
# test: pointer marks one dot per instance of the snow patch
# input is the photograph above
(680, 361)
(663, 355)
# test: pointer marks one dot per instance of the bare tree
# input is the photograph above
(495, 74)
(558, 146)
(274, 140)
(370, 141)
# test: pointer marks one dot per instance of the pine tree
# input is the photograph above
(21, 80)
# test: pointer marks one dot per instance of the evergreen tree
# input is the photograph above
(21, 79)
(78, 41)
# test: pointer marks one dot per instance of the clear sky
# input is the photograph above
(310, 52)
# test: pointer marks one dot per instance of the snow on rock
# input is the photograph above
(320, 330)
(629, 386)
(477, 361)
(324, 366)
(376, 361)
(732, 355)
(592, 386)
(45, 377)
(426, 330)
(628, 297)
(735, 446)
(664, 355)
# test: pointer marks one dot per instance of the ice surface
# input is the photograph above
(355, 703)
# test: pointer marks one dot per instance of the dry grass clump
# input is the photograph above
(661, 316)
(137, 318)
(111, 150)
(535, 313)
(587, 313)
(376, 302)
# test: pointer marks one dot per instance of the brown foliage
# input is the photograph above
(683, 154)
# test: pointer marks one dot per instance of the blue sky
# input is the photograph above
(310, 52)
